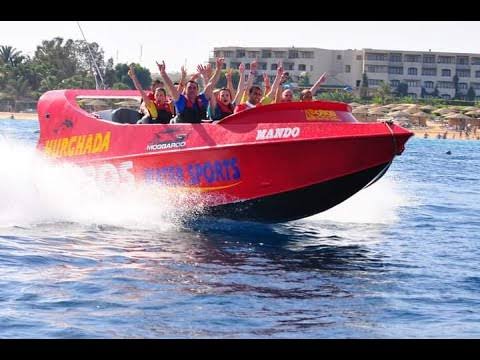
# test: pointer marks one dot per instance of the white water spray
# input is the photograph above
(34, 190)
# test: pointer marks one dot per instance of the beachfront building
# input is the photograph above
(418, 73)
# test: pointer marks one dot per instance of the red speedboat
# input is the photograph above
(273, 163)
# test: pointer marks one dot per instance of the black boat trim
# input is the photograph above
(300, 203)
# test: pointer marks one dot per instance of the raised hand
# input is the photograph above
(161, 67)
(228, 74)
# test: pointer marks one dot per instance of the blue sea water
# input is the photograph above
(400, 259)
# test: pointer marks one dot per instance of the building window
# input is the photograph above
(429, 59)
(279, 54)
(475, 61)
(293, 54)
(446, 72)
(262, 66)
(273, 67)
(395, 57)
(395, 70)
(374, 82)
(412, 71)
(288, 66)
(477, 74)
(228, 53)
(339, 57)
(376, 57)
(463, 86)
(252, 54)
(429, 71)
(266, 54)
(476, 86)
(394, 83)
(240, 53)
(347, 68)
(302, 67)
(463, 72)
(428, 84)
(306, 54)
(462, 60)
(413, 83)
(446, 59)
(412, 58)
(358, 57)
(445, 85)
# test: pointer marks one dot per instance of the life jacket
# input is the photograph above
(193, 112)
(222, 110)
(245, 106)
(152, 110)
(165, 113)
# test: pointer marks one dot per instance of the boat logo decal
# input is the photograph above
(207, 175)
(78, 145)
(277, 133)
(167, 139)
(66, 124)
(317, 114)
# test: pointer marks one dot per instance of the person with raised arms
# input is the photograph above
(191, 107)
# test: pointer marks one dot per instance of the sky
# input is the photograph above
(192, 42)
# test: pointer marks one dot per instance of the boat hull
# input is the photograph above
(299, 203)
(273, 163)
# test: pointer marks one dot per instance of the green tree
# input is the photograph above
(303, 79)
(383, 92)
(455, 85)
(470, 94)
(402, 89)
(222, 82)
(364, 86)
(143, 75)
(10, 56)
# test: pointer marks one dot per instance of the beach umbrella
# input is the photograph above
(427, 107)
(397, 114)
(443, 111)
(359, 110)
(458, 116)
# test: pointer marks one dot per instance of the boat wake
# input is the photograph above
(377, 204)
(36, 191)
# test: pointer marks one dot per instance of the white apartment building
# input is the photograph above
(418, 69)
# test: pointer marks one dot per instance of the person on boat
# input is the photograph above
(158, 111)
(191, 107)
(284, 96)
(255, 93)
(307, 94)
(223, 101)
(151, 110)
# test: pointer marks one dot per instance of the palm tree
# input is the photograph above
(18, 90)
(383, 92)
(10, 56)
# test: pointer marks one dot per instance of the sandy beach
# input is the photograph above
(18, 116)
(436, 131)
